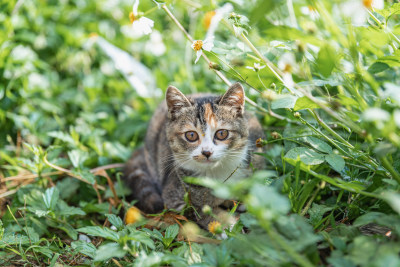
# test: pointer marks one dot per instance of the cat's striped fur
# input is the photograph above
(155, 171)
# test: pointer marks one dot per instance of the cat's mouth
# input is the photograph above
(205, 160)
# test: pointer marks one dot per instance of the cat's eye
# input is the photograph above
(221, 135)
(191, 136)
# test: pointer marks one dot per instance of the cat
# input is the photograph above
(198, 136)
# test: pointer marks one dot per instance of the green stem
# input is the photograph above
(219, 74)
(390, 169)
(383, 26)
(301, 260)
(278, 74)
(338, 183)
(338, 147)
(310, 201)
(340, 138)
(329, 129)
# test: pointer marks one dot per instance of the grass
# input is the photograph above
(320, 75)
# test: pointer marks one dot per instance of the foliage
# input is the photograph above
(321, 75)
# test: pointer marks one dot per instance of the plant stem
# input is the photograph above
(278, 74)
(310, 201)
(390, 169)
(301, 260)
(219, 74)
(383, 26)
(338, 183)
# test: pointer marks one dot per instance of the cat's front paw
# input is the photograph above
(153, 203)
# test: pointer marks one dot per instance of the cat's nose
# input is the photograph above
(206, 153)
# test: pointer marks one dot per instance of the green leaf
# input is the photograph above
(44, 250)
(263, 198)
(86, 175)
(303, 103)
(50, 198)
(391, 61)
(13, 239)
(62, 136)
(115, 220)
(144, 238)
(318, 144)
(84, 248)
(66, 227)
(100, 231)
(306, 155)
(77, 157)
(316, 213)
(327, 60)
(170, 233)
(336, 162)
(65, 210)
(389, 11)
(378, 67)
(68, 187)
(1, 229)
(393, 199)
(108, 251)
(284, 101)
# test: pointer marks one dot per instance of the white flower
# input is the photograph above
(310, 11)
(199, 45)
(357, 10)
(287, 63)
(216, 17)
(256, 67)
(155, 45)
(141, 25)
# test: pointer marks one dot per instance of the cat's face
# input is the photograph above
(207, 132)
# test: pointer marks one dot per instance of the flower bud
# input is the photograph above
(207, 210)
(275, 135)
(214, 66)
(215, 227)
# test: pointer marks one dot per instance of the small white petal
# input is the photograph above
(250, 68)
(288, 80)
(208, 46)
(143, 25)
(378, 4)
(198, 55)
(135, 7)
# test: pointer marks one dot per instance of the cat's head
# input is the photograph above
(204, 132)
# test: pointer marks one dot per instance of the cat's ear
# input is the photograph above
(175, 99)
(234, 97)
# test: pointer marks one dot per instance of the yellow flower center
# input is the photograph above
(197, 45)
(132, 17)
(214, 227)
(287, 68)
(368, 3)
(207, 19)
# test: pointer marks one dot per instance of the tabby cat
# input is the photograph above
(198, 136)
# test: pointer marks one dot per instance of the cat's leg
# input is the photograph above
(173, 193)
(144, 188)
